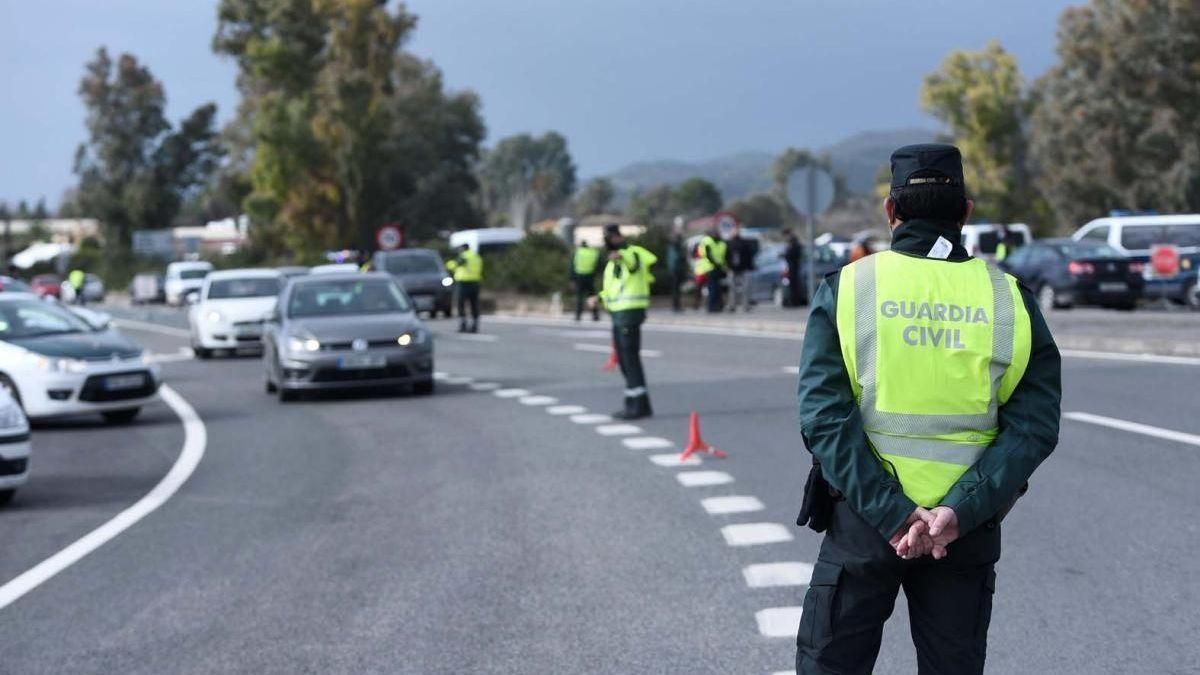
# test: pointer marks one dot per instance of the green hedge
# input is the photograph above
(538, 265)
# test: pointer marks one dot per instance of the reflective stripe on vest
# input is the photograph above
(631, 288)
(467, 267)
(950, 415)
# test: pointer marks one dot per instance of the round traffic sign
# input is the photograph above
(389, 237)
(810, 189)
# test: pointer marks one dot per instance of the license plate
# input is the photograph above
(361, 361)
(249, 332)
(1113, 287)
(123, 382)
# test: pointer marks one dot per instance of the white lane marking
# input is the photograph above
(731, 504)
(152, 328)
(590, 418)
(458, 379)
(767, 575)
(473, 338)
(579, 334)
(1138, 358)
(1134, 427)
(566, 409)
(439, 375)
(538, 400)
(195, 438)
(184, 354)
(672, 459)
(485, 386)
(607, 349)
(791, 370)
(618, 429)
(666, 328)
(786, 672)
(703, 478)
(646, 443)
(755, 534)
(510, 393)
(778, 622)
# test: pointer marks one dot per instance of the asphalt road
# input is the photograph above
(480, 531)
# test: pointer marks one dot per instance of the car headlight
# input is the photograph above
(11, 416)
(213, 316)
(303, 344)
(447, 282)
(52, 365)
(414, 337)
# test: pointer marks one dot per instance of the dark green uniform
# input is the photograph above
(857, 574)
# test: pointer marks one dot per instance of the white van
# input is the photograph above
(183, 279)
(1134, 236)
(487, 240)
(981, 239)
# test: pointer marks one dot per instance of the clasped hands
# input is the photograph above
(926, 532)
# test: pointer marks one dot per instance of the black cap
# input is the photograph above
(927, 163)
(612, 229)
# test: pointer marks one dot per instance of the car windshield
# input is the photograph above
(411, 264)
(34, 318)
(249, 287)
(345, 297)
(1087, 249)
(193, 274)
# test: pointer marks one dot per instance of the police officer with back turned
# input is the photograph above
(467, 269)
(929, 392)
(626, 295)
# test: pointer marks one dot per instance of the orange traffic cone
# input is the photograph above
(612, 360)
(696, 443)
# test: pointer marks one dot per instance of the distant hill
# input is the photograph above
(858, 158)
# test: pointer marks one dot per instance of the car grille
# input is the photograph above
(346, 345)
(93, 390)
(365, 374)
(13, 467)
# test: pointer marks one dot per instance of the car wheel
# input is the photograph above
(1047, 298)
(287, 395)
(121, 416)
(1191, 295)
(270, 386)
(423, 387)
(8, 385)
(6, 496)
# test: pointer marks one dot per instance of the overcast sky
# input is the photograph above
(624, 80)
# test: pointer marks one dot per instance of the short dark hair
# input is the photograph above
(932, 201)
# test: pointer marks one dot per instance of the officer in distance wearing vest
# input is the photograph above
(467, 268)
(584, 262)
(626, 296)
(929, 392)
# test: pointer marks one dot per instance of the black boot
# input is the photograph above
(475, 326)
(636, 408)
(462, 326)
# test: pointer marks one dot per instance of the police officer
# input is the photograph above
(583, 272)
(711, 265)
(929, 393)
(467, 269)
(77, 279)
(626, 295)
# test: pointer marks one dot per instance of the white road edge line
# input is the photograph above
(1139, 358)
(195, 439)
(1134, 427)
(731, 504)
(152, 327)
(702, 478)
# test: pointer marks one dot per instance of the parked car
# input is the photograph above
(147, 287)
(183, 279)
(1065, 272)
(981, 239)
(93, 288)
(1135, 236)
(47, 285)
(339, 331)
(769, 282)
(229, 310)
(14, 447)
(54, 363)
(422, 275)
(289, 271)
(334, 268)
(14, 285)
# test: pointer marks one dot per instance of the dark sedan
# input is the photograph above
(769, 282)
(345, 330)
(422, 275)
(1063, 273)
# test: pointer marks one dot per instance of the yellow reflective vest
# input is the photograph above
(627, 280)
(933, 349)
(467, 267)
(585, 261)
(711, 250)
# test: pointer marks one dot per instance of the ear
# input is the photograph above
(889, 209)
(967, 212)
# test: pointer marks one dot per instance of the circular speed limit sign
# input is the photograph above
(389, 237)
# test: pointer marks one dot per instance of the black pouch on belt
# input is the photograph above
(816, 509)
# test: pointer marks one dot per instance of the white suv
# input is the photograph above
(14, 447)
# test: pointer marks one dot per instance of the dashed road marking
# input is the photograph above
(755, 534)
(791, 370)
(703, 478)
(510, 393)
(439, 375)
(566, 410)
(485, 386)
(731, 504)
(618, 429)
(538, 400)
(778, 622)
(591, 418)
(1134, 427)
(673, 460)
(458, 379)
(646, 443)
(767, 575)
(468, 337)
(607, 349)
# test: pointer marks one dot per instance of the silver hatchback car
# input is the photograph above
(342, 331)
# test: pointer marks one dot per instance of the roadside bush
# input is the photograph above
(537, 265)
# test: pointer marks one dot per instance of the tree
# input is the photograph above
(760, 210)
(595, 197)
(524, 176)
(134, 171)
(696, 197)
(1116, 119)
(980, 96)
(23, 212)
(654, 207)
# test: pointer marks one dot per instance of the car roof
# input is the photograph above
(245, 273)
(1178, 219)
(338, 276)
(9, 296)
(191, 263)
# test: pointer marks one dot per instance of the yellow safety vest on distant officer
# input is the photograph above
(585, 261)
(467, 267)
(710, 250)
(627, 281)
(933, 349)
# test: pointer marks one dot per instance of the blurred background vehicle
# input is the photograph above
(47, 285)
(183, 279)
(229, 310)
(54, 363)
(1135, 237)
(15, 447)
(422, 275)
(487, 239)
(14, 285)
(1064, 273)
(93, 290)
(982, 239)
(345, 331)
(769, 282)
(289, 271)
(334, 268)
(147, 287)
